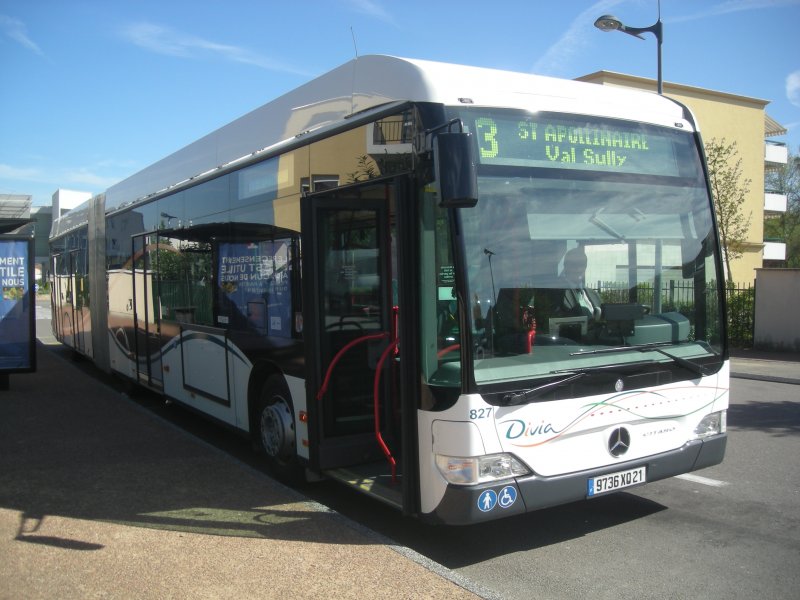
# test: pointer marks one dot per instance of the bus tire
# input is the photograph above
(274, 427)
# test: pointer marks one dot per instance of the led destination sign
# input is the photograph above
(544, 141)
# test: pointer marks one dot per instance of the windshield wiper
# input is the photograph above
(519, 397)
(690, 365)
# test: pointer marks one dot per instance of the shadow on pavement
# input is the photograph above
(71, 446)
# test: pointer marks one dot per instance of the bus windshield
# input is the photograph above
(592, 245)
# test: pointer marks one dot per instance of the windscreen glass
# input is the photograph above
(592, 245)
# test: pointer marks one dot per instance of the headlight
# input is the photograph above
(712, 424)
(479, 469)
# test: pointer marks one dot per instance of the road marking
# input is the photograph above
(703, 480)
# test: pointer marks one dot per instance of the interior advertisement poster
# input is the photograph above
(17, 308)
(255, 286)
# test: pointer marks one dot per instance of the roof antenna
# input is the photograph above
(353, 33)
(355, 62)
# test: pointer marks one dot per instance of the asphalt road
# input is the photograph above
(730, 531)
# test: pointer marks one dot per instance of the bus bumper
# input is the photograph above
(464, 505)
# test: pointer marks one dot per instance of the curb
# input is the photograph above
(769, 378)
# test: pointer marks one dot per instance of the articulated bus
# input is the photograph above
(373, 276)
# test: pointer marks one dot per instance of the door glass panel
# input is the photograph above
(184, 280)
(353, 306)
(63, 297)
(351, 269)
(147, 309)
(80, 296)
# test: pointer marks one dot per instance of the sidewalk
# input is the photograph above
(99, 498)
(780, 367)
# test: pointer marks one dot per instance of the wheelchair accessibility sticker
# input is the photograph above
(489, 498)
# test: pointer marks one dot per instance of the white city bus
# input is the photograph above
(373, 277)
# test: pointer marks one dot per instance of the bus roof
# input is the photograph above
(374, 80)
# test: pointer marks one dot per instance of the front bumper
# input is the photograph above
(464, 505)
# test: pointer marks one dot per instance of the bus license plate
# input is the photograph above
(615, 481)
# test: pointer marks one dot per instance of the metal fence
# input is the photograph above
(678, 296)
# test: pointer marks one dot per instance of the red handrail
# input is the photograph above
(448, 350)
(340, 353)
(529, 341)
(529, 323)
(393, 345)
(375, 391)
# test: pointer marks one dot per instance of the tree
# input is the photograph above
(729, 191)
(367, 169)
(786, 226)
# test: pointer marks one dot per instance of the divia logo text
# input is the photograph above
(517, 429)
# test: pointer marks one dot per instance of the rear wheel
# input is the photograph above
(274, 429)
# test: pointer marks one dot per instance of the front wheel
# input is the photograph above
(275, 429)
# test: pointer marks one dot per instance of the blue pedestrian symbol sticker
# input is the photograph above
(507, 496)
(487, 500)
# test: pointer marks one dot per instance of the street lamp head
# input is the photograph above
(608, 23)
(612, 23)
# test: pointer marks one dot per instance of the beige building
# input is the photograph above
(737, 119)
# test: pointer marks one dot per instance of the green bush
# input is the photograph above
(741, 313)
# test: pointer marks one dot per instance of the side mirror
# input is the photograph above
(455, 166)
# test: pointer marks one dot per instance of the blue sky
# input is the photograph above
(94, 90)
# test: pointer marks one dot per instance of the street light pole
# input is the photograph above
(612, 23)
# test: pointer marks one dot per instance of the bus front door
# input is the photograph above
(351, 331)
(146, 311)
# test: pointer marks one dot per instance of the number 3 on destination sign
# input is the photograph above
(487, 141)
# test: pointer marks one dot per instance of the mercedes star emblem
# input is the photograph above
(619, 441)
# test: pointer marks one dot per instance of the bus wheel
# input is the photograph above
(275, 431)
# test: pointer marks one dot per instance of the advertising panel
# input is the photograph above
(17, 307)
(254, 280)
